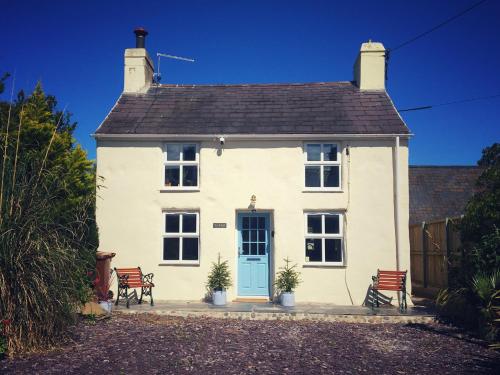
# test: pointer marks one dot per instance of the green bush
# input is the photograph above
(219, 278)
(48, 235)
(288, 279)
(3, 338)
(454, 305)
(474, 272)
(473, 307)
(485, 288)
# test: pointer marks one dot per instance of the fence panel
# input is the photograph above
(430, 246)
(416, 255)
(437, 254)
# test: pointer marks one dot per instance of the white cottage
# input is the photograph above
(316, 172)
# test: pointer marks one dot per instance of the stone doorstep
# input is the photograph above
(373, 319)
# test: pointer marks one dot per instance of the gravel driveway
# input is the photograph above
(151, 344)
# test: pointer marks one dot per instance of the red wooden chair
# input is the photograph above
(130, 279)
(390, 280)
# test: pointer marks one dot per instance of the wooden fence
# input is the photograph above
(430, 247)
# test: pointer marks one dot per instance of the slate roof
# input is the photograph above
(438, 192)
(304, 108)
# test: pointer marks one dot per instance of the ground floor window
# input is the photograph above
(181, 239)
(324, 238)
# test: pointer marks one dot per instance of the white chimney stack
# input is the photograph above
(138, 65)
(369, 68)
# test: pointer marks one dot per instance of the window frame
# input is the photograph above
(324, 236)
(322, 163)
(181, 163)
(180, 235)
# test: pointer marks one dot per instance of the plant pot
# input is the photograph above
(287, 299)
(219, 297)
(106, 305)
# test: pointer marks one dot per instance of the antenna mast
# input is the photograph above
(157, 76)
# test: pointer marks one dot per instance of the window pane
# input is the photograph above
(262, 236)
(190, 249)
(313, 250)
(171, 249)
(332, 224)
(246, 249)
(253, 222)
(262, 249)
(313, 152)
(244, 235)
(246, 222)
(253, 235)
(188, 152)
(253, 249)
(190, 175)
(262, 223)
(313, 178)
(313, 223)
(188, 223)
(172, 175)
(172, 223)
(331, 176)
(333, 250)
(173, 152)
(329, 152)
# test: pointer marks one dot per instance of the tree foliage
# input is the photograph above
(481, 223)
(48, 234)
(482, 214)
(472, 299)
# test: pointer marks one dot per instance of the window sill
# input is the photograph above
(324, 265)
(322, 190)
(180, 264)
(179, 190)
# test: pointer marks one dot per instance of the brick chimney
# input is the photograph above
(369, 68)
(138, 65)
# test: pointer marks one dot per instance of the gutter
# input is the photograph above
(397, 202)
(199, 137)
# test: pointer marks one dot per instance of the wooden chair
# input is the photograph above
(390, 280)
(130, 279)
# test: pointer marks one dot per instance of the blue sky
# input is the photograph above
(76, 49)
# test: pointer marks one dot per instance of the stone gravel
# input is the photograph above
(153, 344)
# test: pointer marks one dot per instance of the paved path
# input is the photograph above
(271, 311)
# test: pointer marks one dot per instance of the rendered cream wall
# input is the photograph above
(130, 205)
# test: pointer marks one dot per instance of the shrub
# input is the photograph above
(287, 279)
(475, 270)
(219, 278)
(47, 227)
(486, 287)
(3, 339)
(473, 307)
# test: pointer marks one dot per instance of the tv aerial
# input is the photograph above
(157, 75)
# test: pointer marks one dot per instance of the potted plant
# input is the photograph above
(219, 280)
(287, 281)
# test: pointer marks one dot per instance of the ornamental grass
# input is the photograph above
(46, 245)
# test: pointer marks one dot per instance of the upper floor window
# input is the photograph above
(322, 166)
(181, 165)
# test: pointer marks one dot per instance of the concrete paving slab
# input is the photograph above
(269, 310)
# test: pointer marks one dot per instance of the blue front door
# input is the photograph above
(253, 254)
